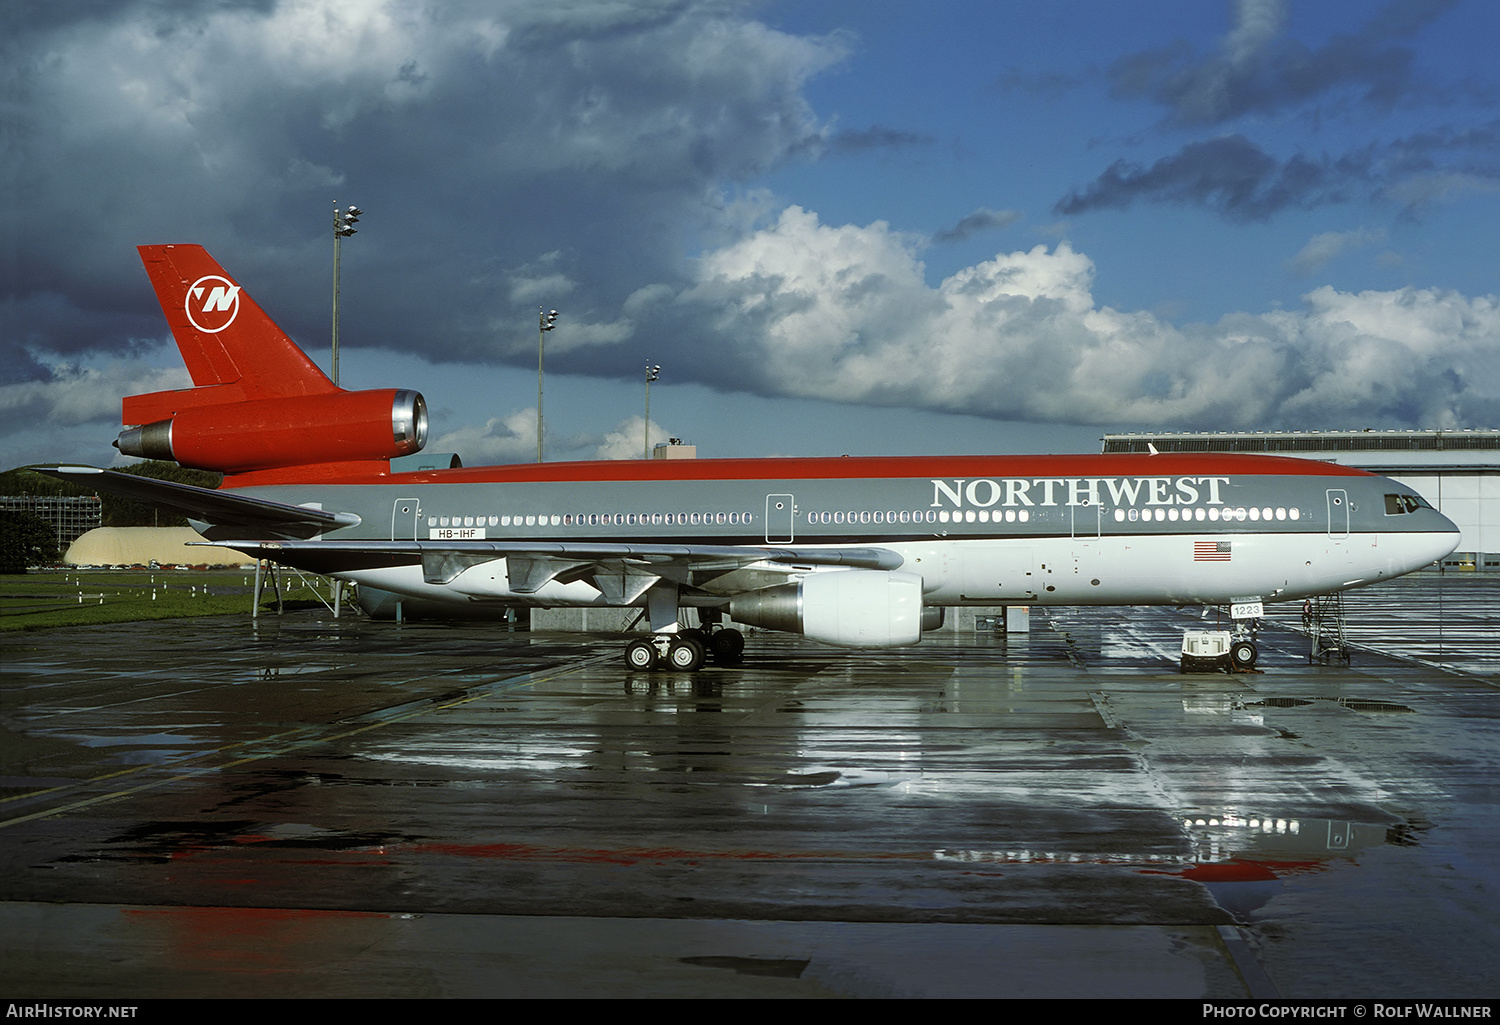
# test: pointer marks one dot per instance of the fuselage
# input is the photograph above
(1099, 530)
(851, 552)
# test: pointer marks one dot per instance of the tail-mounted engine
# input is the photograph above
(262, 434)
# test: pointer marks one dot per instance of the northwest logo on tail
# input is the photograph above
(212, 303)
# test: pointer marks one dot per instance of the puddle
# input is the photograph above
(167, 840)
(1264, 843)
(778, 968)
(818, 779)
(140, 748)
(299, 669)
(1353, 704)
(1245, 860)
(1361, 705)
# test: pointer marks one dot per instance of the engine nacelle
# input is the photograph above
(260, 434)
(853, 608)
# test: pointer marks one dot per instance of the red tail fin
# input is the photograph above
(232, 349)
(260, 409)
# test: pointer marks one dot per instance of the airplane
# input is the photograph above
(853, 552)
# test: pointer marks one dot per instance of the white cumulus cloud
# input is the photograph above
(844, 313)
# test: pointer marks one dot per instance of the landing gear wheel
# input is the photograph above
(1242, 655)
(728, 646)
(641, 656)
(685, 655)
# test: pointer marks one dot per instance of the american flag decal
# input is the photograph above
(1210, 551)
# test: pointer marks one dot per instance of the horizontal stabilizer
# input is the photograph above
(255, 517)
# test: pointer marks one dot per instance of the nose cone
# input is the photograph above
(1437, 538)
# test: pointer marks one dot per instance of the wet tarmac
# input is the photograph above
(310, 807)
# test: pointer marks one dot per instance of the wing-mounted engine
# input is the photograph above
(852, 608)
(270, 433)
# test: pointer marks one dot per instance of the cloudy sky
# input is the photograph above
(838, 225)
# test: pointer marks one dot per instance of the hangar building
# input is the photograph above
(142, 546)
(1457, 471)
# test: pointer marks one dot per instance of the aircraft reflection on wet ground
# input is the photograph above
(357, 808)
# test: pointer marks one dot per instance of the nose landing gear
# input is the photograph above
(1221, 650)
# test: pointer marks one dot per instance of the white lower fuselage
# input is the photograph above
(1041, 571)
(977, 531)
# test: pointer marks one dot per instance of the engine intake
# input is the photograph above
(851, 608)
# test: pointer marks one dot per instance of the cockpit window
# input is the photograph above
(1396, 505)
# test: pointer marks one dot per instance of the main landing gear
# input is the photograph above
(685, 652)
(682, 651)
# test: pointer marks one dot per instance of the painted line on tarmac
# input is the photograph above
(1254, 975)
(412, 710)
(409, 709)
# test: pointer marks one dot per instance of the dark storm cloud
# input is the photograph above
(599, 157)
(876, 137)
(25, 16)
(1236, 178)
(508, 154)
(1230, 175)
(1256, 70)
(981, 220)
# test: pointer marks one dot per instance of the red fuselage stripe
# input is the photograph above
(845, 468)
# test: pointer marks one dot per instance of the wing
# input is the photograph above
(242, 515)
(621, 572)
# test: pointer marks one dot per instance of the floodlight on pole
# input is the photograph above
(653, 371)
(343, 227)
(547, 320)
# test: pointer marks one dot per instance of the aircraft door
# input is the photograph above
(405, 519)
(781, 514)
(1338, 514)
(1086, 520)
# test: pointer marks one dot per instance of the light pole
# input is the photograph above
(652, 373)
(343, 227)
(547, 321)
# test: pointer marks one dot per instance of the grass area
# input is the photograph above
(44, 599)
